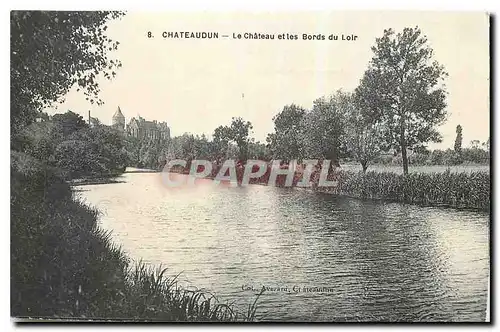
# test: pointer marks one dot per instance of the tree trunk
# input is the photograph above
(364, 164)
(405, 159)
(403, 147)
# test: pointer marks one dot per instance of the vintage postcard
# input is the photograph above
(250, 166)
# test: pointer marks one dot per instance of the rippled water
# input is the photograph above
(374, 261)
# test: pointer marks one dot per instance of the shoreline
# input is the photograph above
(140, 170)
(112, 178)
(460, 191)
(383, 200)
(93, 181)
(418, 189)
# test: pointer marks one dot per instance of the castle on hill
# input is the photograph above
(140, 128)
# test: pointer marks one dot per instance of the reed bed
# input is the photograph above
(161, 298)
(459, 190)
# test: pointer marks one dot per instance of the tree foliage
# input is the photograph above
(68, 122)
(486, 144)
(221, 138)
(258, 150)
(474, 144)
(404, 89)
(78, 150)
(285, 142)
(310, 134)
(238, 133)
(92, 151)
(146, 152)
(51, 51)
(363, 135)
(324, 128)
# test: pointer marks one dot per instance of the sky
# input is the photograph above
(195, 85)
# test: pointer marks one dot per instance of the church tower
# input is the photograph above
(118, 120)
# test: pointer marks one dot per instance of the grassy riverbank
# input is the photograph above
(64, 266)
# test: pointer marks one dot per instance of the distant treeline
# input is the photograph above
(67, 142)
(474, 155)
(291, 140)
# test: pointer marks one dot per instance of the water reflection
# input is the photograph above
(379, 261)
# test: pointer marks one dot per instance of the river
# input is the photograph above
(332, 258)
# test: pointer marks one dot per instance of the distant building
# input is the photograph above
(140, 128)
(118, 120)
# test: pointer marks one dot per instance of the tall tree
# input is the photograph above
(240, 134)
(363, 135)
(51, 51)
(404, 89)
(285, 143)
(324, 128)
(69, 122)
(458, 140)
(258, 150)
(221, 138)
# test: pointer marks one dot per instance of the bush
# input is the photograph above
(476, 156)
(418, 159)
(384, 159)
(80, 152)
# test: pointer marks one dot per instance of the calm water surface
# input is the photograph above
(373, 260)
